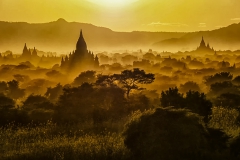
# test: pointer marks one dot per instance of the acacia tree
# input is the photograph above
(106, 81)
(131, 79)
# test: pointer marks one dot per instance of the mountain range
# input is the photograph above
(61, 36)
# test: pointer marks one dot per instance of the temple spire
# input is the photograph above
(81, 35)
(25, 48)
(202, 45)
(81, 44)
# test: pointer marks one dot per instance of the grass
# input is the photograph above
(84, 141)
(48, 142)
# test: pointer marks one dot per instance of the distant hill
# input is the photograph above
(61, 36)
(227, 38)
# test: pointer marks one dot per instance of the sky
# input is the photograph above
(127, 15)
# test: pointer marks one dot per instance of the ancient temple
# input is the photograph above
(204, 48)
(27, 55)
(34, 53)
(80, 59)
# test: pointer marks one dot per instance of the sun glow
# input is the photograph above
(113, 3)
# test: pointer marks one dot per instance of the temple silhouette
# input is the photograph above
(80, 59)
(204, 48)
(28, 55)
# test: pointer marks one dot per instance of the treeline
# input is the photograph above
(99, 97)
(90, 97)
(174, 122)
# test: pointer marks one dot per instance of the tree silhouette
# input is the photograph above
(76, 104)
(36, 102)
(106, 80)
(14, 91)
(219, 88)
(197, 103)
(3, 87)
(190, 85)
(21, 78)
(230, 100)
(131, 79)
(172, 97)
(218, 77)
(53, 93)
(54, 74)
(235, 147)
(236, 80)
(6, 102)
(88, 76)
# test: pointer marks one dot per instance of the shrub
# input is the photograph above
(168, 134)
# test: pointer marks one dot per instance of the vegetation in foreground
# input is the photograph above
(113, 117)
(152, 134)
(51, 141)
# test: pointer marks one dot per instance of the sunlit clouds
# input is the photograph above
(167, 24)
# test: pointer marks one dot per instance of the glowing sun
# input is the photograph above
(113, 3)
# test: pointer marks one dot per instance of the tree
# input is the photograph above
(36, 102)
(53, 93)
(3, 87)
(197, 103)
(106, 81)
(76, 103)
(88, 76)
(218, 77)
(236, 80)
(138, 102)
(226, 100)
(235, 147)
(190, 85)
(10, 114)
(131, 79)
(21, 78)
(54, 74)
(219, 88)
(14, 91)
(172, 97)
(37, 86)
(6, 102)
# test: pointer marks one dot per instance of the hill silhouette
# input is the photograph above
(61, 36)
(226, 38)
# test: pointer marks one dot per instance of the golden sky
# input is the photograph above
(127, 15)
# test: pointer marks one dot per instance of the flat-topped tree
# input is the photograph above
(131, 79)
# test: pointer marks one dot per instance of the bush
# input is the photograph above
(190, 85)
(37, 102)
(168, 134)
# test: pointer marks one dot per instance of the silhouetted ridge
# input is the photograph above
(61, 20)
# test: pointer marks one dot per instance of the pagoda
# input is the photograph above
(80, 59)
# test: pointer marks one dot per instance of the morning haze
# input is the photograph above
(119, 80)
(141, 15)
